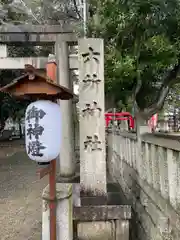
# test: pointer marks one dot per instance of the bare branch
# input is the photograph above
(29, 11)
(172, 75)
(76, 9)
(154, 108)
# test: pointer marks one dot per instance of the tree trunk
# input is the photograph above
(2, 125)
(174, 119)
(109, 103)
(20, 129)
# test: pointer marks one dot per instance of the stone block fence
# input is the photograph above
(149, 177)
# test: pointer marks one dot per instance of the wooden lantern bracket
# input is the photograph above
(42, 172)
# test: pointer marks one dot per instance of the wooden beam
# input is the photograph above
(38, 63)
(42, 172)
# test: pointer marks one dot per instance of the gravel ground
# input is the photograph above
(20, 196)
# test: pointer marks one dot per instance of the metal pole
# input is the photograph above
(52, 203)
(51, 170)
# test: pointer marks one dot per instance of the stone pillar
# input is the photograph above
(166, 125)
(122, 229)
(64, 211)
(67, 162)
(141, 128)
(124, 125)
(3, 50)
(95, 230)
(92, 122)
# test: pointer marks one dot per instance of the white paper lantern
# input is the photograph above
(43, 130)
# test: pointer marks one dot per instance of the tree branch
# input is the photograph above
(169, 80)
(138, 85)
(76, 9)
(137, 47)
(137, 89)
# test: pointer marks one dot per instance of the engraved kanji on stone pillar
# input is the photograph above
(91, 55)
(91, 80)
(92, 122)
(91, 109)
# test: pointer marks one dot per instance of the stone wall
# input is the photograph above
(150, 180)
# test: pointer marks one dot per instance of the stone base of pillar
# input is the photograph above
(100, 217)
(93, 200)
(89, 199)
(71, 179)
(64, 211)
(101, 222)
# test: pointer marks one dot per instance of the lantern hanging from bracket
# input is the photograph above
(43, 130)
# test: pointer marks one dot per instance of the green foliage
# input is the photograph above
(173, 99)
(141, 43)
(10, 107)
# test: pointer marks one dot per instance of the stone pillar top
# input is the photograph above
(63, 190)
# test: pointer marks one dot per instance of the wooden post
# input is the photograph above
(92, 121)
(66, 163)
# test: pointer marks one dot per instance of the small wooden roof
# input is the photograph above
(33, 84)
